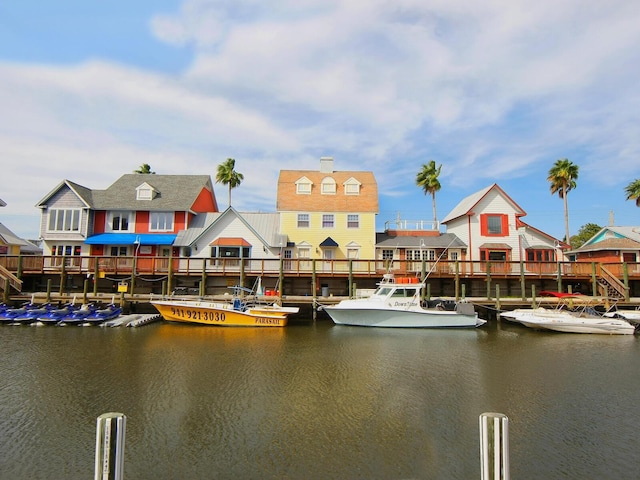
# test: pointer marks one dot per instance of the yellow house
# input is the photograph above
(328, 214)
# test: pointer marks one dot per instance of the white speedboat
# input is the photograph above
(584, 320)
(398, 304)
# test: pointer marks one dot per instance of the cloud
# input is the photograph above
(495, 91)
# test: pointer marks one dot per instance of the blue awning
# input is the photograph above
(131, 239)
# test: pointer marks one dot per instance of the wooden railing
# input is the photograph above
(191, 266)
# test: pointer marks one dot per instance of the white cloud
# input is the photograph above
(498, 88)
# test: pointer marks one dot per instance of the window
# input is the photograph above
(303, 186)
(353, 221)
(426, 254)
(496, 225)
(303, 220)
(353, 253)
(119, 221)
(327, 221)
(64, 220)
(387, 254)
(120, 251)
(328, 186)
(304, 253)
(453, 256)
(351, 187)
(145, 192)
(161, 222)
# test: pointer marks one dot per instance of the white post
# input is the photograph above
(110, 446)
(494, 446)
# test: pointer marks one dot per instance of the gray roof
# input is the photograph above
(264, 225)
(11, 238)
(625, 238)
(174, 192)
(445, 240)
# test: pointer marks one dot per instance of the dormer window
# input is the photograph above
(303, 186)
(145, 192)
(352, 187)
(328, 186)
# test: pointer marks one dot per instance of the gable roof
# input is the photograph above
(466, 205)
(263, 225)
(289, 200)
(10, 238)
(612, 238)
(83, 193)
(175, 192)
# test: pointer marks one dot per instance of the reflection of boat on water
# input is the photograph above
(238, 312)
(569, 318)
(397, 304)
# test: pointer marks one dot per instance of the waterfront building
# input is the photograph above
(138, 215)
(610, 245)
(327, 214)
(490, 223)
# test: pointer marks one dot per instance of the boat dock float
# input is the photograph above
(133, 320)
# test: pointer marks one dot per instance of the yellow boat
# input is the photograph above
(230, 314)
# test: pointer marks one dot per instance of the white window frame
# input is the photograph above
(161, 221)
(121, 214)
(64, 220)
(325, 220)
(301, 221)
(303, 186)
(328, 186)
(353, 220)
(352, 187)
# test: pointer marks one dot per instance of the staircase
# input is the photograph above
(609, 286)
(6, 275)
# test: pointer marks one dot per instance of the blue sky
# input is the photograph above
(495, 91)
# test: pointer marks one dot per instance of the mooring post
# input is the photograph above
(494, 446)
(110, 433)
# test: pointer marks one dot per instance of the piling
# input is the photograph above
(494, 446)
(110, 434)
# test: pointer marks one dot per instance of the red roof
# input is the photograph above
(230, 242)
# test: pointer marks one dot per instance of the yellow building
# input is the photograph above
(328, 214)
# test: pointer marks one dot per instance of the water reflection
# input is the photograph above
(317, 401)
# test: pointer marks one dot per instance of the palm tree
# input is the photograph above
(144, 168)
(562, 177)
(427, 178)
(633, 191)
(227, 175)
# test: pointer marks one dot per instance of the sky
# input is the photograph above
(494, 91)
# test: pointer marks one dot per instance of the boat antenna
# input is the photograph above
(446, 249)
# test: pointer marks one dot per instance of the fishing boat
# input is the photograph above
(571, 318)
(397, 303)
(238, 312)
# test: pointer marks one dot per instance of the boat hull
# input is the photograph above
(562, 321)
(371, 317)
(222, 314)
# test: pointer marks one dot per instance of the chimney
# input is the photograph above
(326, 164)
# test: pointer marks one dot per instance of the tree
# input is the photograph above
(633, 191)
(585, 233)
(227, 175)
(427, 179)
(144, 168)
(563, 176)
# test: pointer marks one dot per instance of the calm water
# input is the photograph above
(317, 401)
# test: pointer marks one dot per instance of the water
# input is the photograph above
(317, 401)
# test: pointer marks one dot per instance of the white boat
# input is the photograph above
(585, 319)
(632, 315)
(398, 304)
